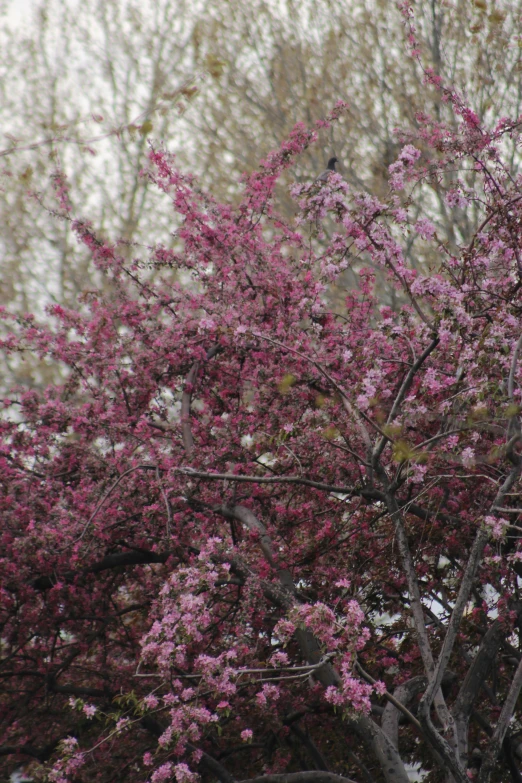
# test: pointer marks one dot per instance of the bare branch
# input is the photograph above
(137, 121)
(415, 602)
(315, 776)
(490, 759)
(472, 684)
(266, 480)
(186, 400)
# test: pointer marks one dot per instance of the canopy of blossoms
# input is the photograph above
(249, 534)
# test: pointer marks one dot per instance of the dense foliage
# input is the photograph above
(248, 535)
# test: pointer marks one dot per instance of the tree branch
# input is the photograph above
(315, 754)
(464, 593)
(315, 776)
(490, 759)
(186, 400)
(266, 480)
(383, 749)
(470, 689)
(115, 560)
(394, 700)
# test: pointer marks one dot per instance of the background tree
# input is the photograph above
(221, 84)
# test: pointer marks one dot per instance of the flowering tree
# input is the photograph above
(248, 538)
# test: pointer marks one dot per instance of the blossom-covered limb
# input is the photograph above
(308, 643)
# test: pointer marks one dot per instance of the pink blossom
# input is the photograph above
(379, 687)
(183, 774)
(497, 526)
(455, 198)
(409, 155)
(425, 228)
(162, 773)
(468, 457)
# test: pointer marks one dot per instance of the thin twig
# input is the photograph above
(108, 494)
(265, 480)
(405, 711)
